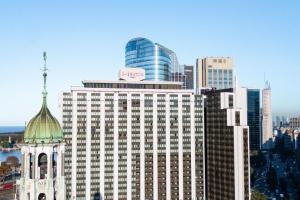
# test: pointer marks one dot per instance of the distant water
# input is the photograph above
(4, 155)
(11, 129)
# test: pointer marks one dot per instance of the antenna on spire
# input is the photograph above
(45, 69)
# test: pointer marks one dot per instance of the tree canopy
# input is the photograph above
(255, 195)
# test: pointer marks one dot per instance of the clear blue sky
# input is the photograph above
(86, 40)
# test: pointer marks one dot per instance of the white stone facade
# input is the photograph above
(35, 185)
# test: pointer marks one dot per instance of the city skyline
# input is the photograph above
(87, 41)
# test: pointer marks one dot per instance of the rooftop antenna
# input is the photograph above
(45, 69)
(265, 81)
(235, 83)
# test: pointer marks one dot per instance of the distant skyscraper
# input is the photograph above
(189, 76)
(133, 139)
(253, 96)
(157, 61)
(214, 72)
(43, 156)
(184, 74)
(295, 122)
(277, 121)
(267, 130)
(178, 75)
(226, 144)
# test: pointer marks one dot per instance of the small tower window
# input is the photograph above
(31, 165)
(42, 196)
(42, 164)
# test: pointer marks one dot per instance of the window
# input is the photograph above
(230, 99)
(42, 164)
(42, 196)
(237, 118)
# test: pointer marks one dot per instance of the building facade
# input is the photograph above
(184, 74)
(189, 74)
(278, 122)
(294, 122)
(288, 140)
(254, 122)
(267, 129)
(214, 72)
(157, 61)
(133, 140)
(227, 166)
(43, 156)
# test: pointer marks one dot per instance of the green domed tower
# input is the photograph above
(43, 156)
(43, 128)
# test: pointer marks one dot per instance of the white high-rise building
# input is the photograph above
(267, 129)
(133, 139)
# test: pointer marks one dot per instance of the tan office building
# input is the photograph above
(214, 72)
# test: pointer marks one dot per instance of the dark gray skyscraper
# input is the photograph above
(254, 118)
(226, 136)
(189, 76)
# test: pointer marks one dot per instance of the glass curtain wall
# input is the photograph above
(156, 60)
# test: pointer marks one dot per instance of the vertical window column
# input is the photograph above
(168, 149)
(155, 164)
(116, 147)
(142, 147)
(180, 147)
(88, 148)
(193, 147)
(74, 144)
(102, 143)
(129, 146)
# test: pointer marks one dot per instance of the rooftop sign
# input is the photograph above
(132, 74)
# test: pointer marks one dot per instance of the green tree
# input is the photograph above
(5, 144)
(258, 160)
(282, 185)
(255, 195)
(272, 179)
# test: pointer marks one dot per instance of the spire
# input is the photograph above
(45, 78)
(43, 127)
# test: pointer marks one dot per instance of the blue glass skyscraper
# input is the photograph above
(254, 118)
(157, 60)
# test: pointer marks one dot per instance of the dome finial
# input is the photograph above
(45, 77)
(43, 128)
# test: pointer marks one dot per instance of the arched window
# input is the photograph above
(42, 164)
(42, 196)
